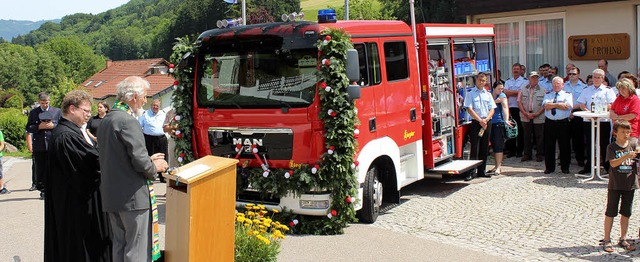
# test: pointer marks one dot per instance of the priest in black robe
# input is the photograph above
(76, 229)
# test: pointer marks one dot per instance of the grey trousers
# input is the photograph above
(529, 129)
(131, 235)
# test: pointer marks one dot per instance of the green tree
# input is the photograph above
(433, 11)
(18, 64)
(122, 44)
(50, 71)
(363, 10)
(65, 86)
(194, 17)
(78, 60)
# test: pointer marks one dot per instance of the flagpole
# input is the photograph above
(244, 12)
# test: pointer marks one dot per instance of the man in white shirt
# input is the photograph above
(512, 87)
(152, 122)
(575, 87)
(597, 91)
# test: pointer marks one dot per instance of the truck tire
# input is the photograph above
(372, 197)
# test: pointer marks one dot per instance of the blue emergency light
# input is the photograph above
(327, 16)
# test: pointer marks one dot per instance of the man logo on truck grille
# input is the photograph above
(247, 143)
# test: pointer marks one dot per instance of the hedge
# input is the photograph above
(12, 124)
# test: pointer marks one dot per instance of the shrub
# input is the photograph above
(8, 94)
(12, 124)
(13, 102)
(257, 236)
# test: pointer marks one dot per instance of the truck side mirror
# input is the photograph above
(353, 73)
(187, 60)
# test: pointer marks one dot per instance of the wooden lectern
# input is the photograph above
(200, 216)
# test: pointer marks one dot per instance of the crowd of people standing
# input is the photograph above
(544, 108)
(97, 174)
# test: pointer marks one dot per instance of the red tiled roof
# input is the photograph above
(119, 70)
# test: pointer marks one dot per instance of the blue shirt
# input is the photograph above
(546, 84)
(152, 123)
(574, 90)
(561, 97)
(480, 101)
(498, 116)
(515, 85)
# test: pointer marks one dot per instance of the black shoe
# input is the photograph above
(580, 164)
(33, 188)
(470, 176)
(4, 190)
(584, 171)
(485, 175)
(525, 158)
(539, 159)
(548, 171)
(565, 171)
(510, 155)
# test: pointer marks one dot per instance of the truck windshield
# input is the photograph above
(260, 78)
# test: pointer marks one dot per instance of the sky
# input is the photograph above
(35, 10)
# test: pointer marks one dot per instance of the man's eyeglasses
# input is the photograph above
(572, 74)
(88, 111)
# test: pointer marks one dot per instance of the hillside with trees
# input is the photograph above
(12, 28)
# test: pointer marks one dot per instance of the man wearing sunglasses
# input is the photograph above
(575, 86)
(41, 121)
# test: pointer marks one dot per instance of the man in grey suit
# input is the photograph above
(126, 169)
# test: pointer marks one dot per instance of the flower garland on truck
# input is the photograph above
(336, 170)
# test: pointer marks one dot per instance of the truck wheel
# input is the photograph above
(372, 197)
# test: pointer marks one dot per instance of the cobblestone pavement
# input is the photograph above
(522, 214)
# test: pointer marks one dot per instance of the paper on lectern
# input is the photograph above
(192, 171)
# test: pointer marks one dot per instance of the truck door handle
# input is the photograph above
(412, 114)
(372, 125)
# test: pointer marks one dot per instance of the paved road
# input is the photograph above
(522, 215)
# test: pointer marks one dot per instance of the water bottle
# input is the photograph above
(481, 132)
(603, 104)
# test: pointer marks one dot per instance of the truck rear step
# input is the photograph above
(454, 167)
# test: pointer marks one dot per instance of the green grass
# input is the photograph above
(310, 7)
(23, 154)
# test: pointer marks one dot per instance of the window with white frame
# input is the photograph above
(531, 40)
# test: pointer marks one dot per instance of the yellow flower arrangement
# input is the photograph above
(257, 235)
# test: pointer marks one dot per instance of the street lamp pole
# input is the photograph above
(346, 9)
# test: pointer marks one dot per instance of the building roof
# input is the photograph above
(477, 7)
(103, 84)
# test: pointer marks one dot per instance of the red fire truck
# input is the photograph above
(412, 123)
